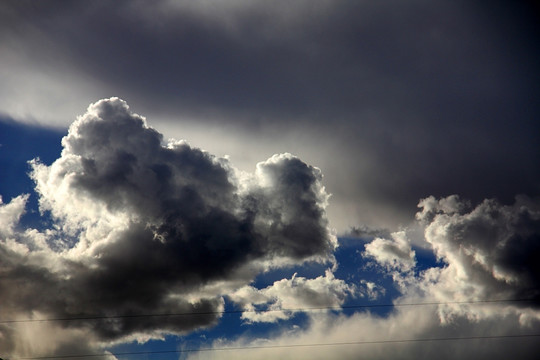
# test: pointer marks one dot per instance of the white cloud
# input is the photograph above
(471, 242)
(10, 214)
(404, 324)
(394, 254)
(288, 296)
(143, 226)
(491, 250)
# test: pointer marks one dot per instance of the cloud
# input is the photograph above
(147, 226)
(374, 336)
(487, 252)
(365, 232)
(393, 254)
(491, 249)
(393, 101)
(288, 296)
(426, 99)
(10, 214)
(143, 226)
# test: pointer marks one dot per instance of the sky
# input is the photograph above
(287, 179)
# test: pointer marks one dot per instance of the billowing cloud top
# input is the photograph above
(491, 250)
(147, 227)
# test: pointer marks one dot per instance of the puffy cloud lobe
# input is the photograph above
(287, 296)
(111, 155)
(392, 254)
(288, 206)
(10, 214)
(491, 250)
(142, 227)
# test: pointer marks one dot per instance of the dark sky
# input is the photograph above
(393, 100)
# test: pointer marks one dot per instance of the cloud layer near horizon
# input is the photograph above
(145, 227)
(488, 252)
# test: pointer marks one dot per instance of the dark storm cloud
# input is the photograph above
(429, 91)
(143, 227)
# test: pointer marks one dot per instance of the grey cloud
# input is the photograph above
(131, 278)
(123, 163)
(285, 206)
(143, 227)
(491, 249)
(427, 90)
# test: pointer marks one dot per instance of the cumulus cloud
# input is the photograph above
(487, 252)
(10, 214)
(395, 253)
(144, 226)
(287, 296)
(141, 225)
(491, 250)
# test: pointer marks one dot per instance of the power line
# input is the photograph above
(201, 313)
(397, 341)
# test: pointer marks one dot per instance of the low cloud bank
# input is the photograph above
(487, 252)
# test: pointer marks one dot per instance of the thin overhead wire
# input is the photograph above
(202, 313)
(239, 348)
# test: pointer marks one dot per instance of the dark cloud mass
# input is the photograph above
(429, 90)
(143, 227)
